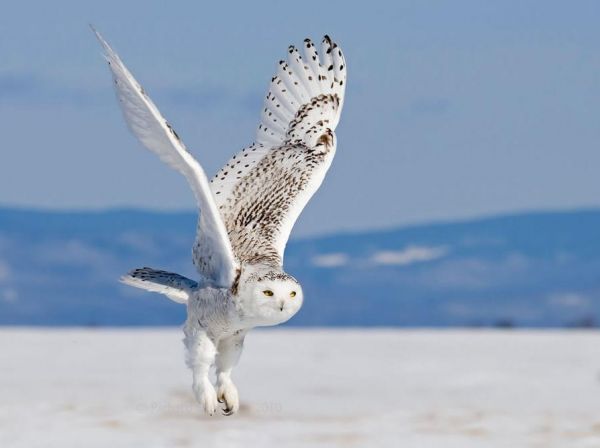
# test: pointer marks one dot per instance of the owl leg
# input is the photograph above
(201, 353)
(229, 350)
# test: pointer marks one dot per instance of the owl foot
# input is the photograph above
(206, 396)
(228, 394)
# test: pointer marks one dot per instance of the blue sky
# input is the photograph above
(453, 109)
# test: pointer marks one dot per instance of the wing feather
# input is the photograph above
(213, 254)
(262, 190)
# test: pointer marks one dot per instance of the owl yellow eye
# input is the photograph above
(293, 294)
(268, 292)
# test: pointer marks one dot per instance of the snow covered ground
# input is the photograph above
(304, 388)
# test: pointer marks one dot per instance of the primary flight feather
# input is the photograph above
(247, 210)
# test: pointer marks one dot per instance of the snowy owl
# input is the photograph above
(246, 211)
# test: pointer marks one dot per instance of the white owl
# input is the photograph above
(246, 211)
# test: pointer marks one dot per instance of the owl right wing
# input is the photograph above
(213, 255)
(263, 189)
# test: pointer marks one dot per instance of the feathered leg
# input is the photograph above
(229, 350)
(201, 353)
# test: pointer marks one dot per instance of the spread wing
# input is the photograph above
(262, 190)
(213, 254)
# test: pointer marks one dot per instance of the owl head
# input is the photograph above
(271, 297)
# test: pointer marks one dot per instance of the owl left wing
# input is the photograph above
(213, 254)
(263, 189)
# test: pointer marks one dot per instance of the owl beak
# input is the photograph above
(281, 304)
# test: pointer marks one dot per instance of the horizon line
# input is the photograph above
(341, 232)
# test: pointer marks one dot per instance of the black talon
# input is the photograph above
(227, 412)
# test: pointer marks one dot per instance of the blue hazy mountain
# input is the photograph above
(532, 269)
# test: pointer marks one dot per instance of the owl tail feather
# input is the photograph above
(176, 287)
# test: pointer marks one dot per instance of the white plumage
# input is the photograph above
(247, 210)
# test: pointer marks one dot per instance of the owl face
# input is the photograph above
(273, 299)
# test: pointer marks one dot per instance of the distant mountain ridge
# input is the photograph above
(537, 269)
